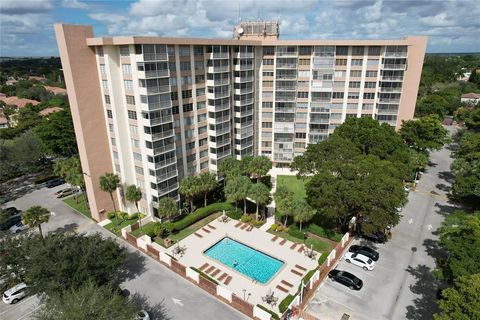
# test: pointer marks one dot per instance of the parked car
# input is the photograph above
(345, 278)
(64, 192)
(18, 227)
(55, 182)
(359, 260)
(13, 220)
(12, 211)
(376, 237)
(15, 294)
(142, 315)
(366, 251)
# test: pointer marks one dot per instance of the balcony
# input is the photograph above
(221, 107)
(287, 76)
(244, 79)
(218, 69)
(154, 90)
(244, 90)
(218, 82)
(162, 135)
(156, 73)
(154, 56)
(286, 88)
(219, 132)
(220, 143)
(391, 89)
(166, 176)
(392, 78)
(165, 162)
(395, 54)
(244, 102)
(218, 95)
(168, 147)
(394, 66)
(242, 67)
(167, 189)
(286, 65)
(219, 120)
(218, 55)
(246, 55)
(243, 113)
(318, 130)
(161, 120)
(388, 100)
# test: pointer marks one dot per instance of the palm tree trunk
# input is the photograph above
(191, 205)
(114, 209)
(300, 225)
(256, 213)
(245, 206)
(76, 194)
(205, 200)
(285, 223)
(40, 229)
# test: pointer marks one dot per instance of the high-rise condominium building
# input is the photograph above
(156, 109)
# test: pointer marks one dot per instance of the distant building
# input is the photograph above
(3, 120)
(470, 98)
(464, 76)
(41, 79)
(56, 90)
(11, 82)
(19, 102)
(48, 111)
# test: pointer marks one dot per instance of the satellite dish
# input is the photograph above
(240, 30)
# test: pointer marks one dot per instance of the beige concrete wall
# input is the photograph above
(411, 80)
(81, 78)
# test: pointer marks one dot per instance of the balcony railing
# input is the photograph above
(221, 119)
(244, 79)
(387, 100)
(244, 102)
(166, 148)
(161, 135)
(222, 131)
(165, 162)
(154, 56)
(224, 154)
(392, 78)
(219, 55)
(218, 108)
(394, 66)
(217, 69)
(160, 89)
(390, 89)
(286, 65)
(156, 73)
(161, 120)
(168, 189)
(396, 54)
(166, 176)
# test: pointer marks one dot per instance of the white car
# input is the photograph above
(359, 260)
(18, 227)
(142, 315)
(13, 295)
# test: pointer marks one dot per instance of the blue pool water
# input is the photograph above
(252, 263)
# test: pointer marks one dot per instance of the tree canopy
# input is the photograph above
(259, 193)
(167, 207)
(35, 216)
(238, 189)
(57, 135)
(426, 133)
(109, 182)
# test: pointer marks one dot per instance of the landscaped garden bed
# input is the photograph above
(78, 205)
(123, 221)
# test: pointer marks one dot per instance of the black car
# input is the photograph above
(12, 211)
(366, 251)
(13, 220)
(376, 237)
(345, 278)
(55, 182)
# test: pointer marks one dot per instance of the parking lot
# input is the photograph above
(401, 286)
(20, 311)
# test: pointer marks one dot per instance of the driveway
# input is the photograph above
(401, 286)
(162, 290)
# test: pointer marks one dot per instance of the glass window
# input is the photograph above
(128, 84)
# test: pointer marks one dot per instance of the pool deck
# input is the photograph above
(285, 282)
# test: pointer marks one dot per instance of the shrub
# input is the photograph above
(234, 213)
(160, 230)
(43, 179)
(200, 214)
(321, 232)
(133, 216)
(280, 228)
(204, 275)
(294, 231)
(111, 215)
(123, 215)
(273, 227)
(258, 223)
(148, 229)
(322, 258)
(274, 315)
(285, 303)
(246, 219)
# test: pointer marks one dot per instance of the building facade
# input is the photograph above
(155, 109)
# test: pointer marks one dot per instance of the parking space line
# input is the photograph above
(17, 304)
(29, 313)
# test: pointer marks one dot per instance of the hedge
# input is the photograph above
(322, 258)
(204, 275)
(321, 232)
(274, 315)
(285, 303)
(294, 231)
(199, 214)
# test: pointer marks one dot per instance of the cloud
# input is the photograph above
(20, 7)
(439, 20)
(74, 4)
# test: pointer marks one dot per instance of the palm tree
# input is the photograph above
(284, 202)
(206, 182)
(134, 195)
(303, 212)
(109, 182)
(230, 168)
(258, 167)
(35, 216)
(260, 194)
(189, 188)
(238, 189)
(167, 207)
(71, 170)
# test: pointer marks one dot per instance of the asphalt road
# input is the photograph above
(401, 286)
(164, 294)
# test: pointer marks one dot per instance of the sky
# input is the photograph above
(26, 26)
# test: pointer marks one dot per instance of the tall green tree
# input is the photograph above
(35, 216)
(90, 301)
(238, 189)
(109, 182)
(426, 133)
(207, 182)
(462, 302)
(71, 170)
(57, 134)
(302, 212)
(230, 168)
(259, 193)
(258, 167)
(189, 188)
(167, 207)
(134, 195)
(284, 200)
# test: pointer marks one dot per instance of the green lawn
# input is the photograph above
(182, 234)
(292, 183)
(318, 245)
(146, 229)
(80, 206)
(123, 223)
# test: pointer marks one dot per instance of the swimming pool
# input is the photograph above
(244, 259)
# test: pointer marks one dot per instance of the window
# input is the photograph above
(267, 114)
(126, 69)
(109, 114)
(185, 66)
(199, 65)
(304, 62)
(370, 85)
(267, 73)
(338, 95)
(132, 114)
(354, 84)
(356, 73)
(305, 51)
(302, 105)
(267, 105)
(187, 107)
(357, 51)
(202, 142)
(124, 51)
(266, 144)
(105, 84)
(340, 74)
(371, 74)
(202, 117)
(341, 51)
(268, 62)
(353, 95)
(266, 125)
(136, 143)
(102, 69)
(268, 51)
(304, 74)
(300, 135)
(117, 167)
(100, 51)
(200, 92)
(335, 116)
(107, 99)
(299, 145)
(198, 50)
(372, 62)
(373, 51)
(113, 141)
(133, 128)
(173, 81)
(357, 62)
(202, 129)
(139, 170)
(137, 156)
(186, 94)
(367, 106)
(203, 153)
(128, 84)
(115, 154)
(201, 105)
(352, 105)
(340, 62)
(302, 95)
(339, 84)
(351, 115)
(130, 99)
(184, 51)
(267, 84)
(200, 78)
(188, 121)
(369, 95)
(174, 95)
(110, 127)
